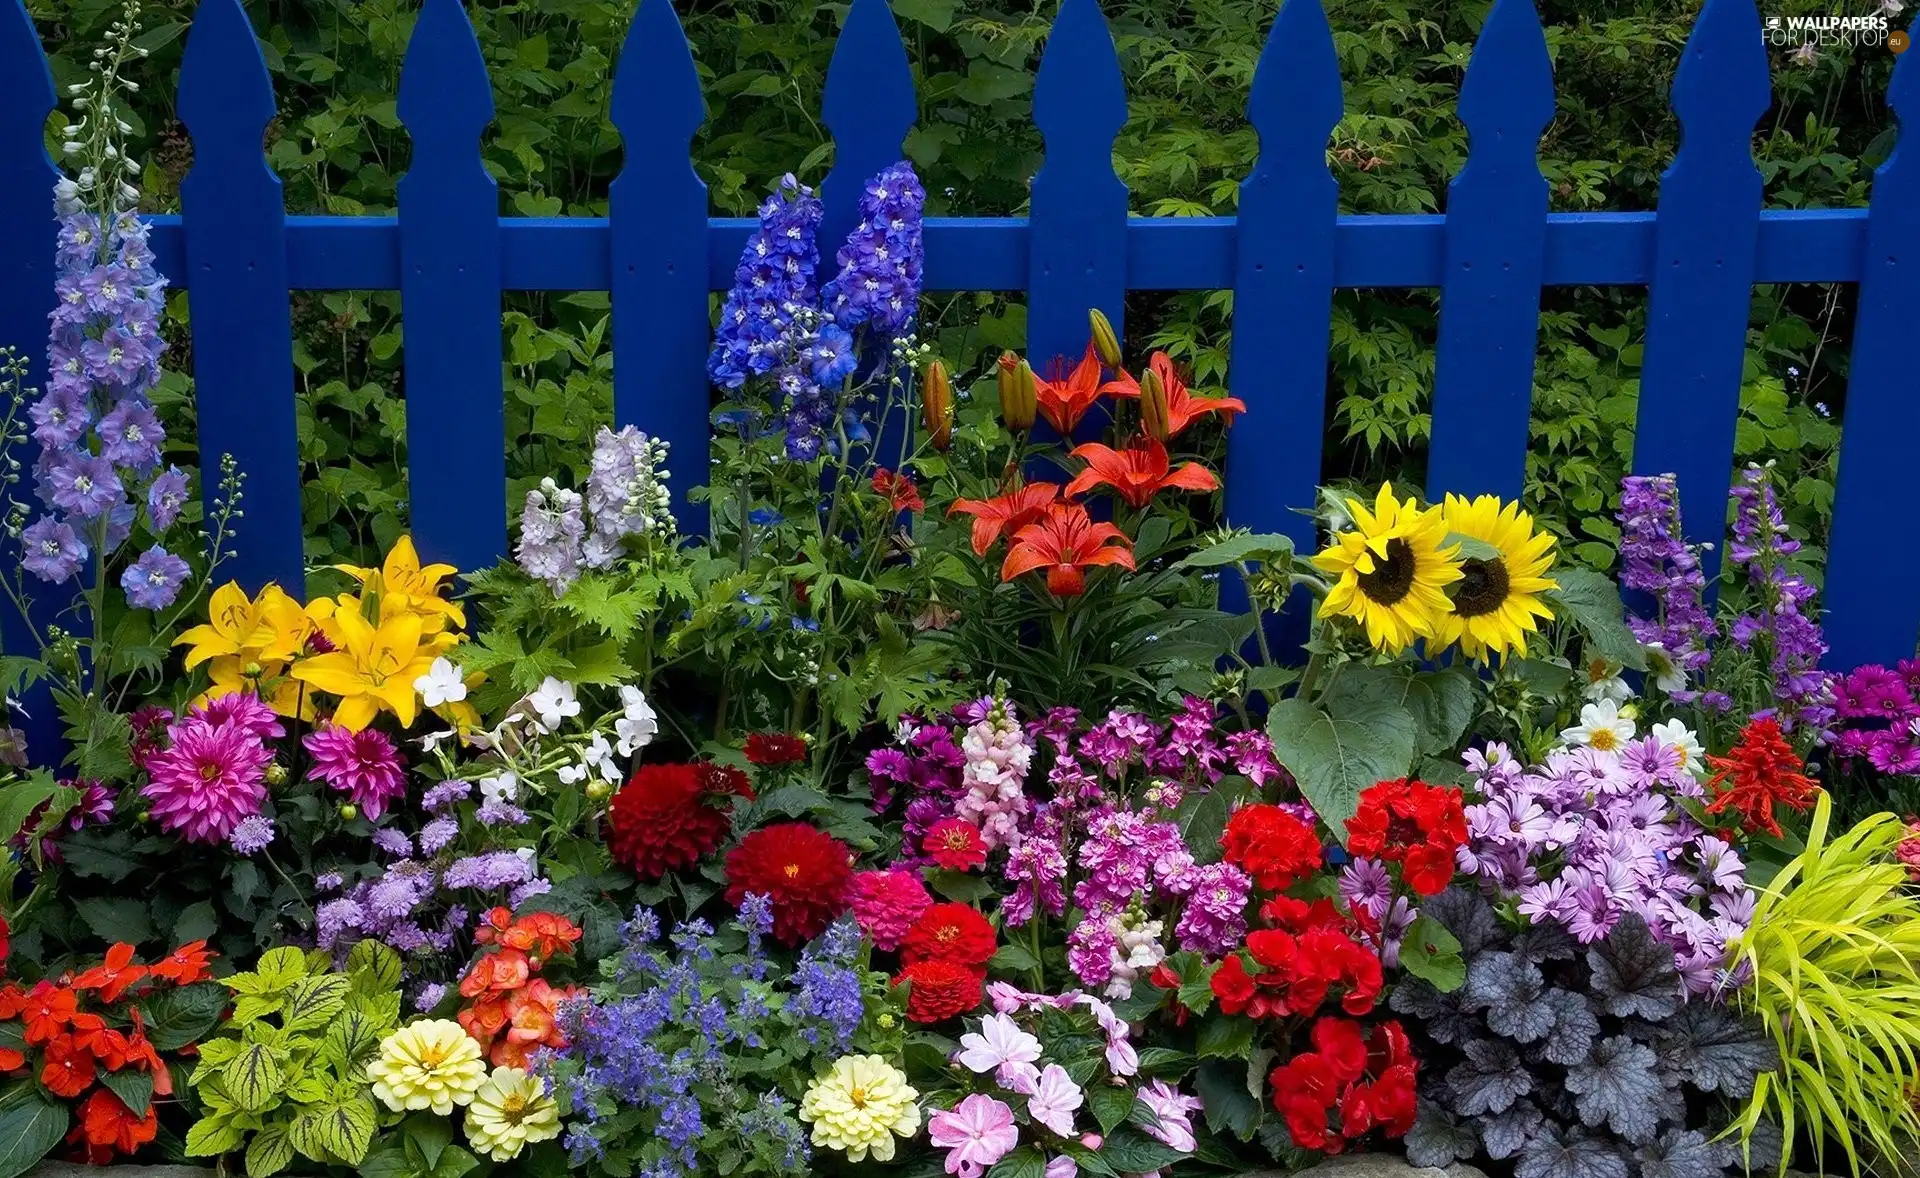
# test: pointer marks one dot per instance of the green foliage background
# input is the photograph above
(339, 147)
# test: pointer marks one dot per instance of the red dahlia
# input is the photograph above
(768, 749)
(670, 816)
(954, 844)
(949, 932)
(803, 870)
(940, 990)
(1271, 845)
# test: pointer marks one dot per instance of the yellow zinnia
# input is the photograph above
(1390, 571)
(509, 1112)
(859, 1106)
(371, 668)
(432, 1064)
(1497, 599)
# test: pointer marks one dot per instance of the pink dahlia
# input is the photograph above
(364, 765)
(242, 710)
(208, 778)
(887, 904)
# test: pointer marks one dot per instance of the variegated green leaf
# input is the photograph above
(252, 1078)
(312, 1003)
(269, 1153)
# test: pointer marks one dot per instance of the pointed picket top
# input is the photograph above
(1506, 98)
(657, 102)
(1079, 97)
(446, 99)
(26, 99)
(1723, 84)
(226, 94)
(1296, 99)
(869, 105)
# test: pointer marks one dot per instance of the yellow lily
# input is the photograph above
(233, 625)
(403, 576)
(371, 668)
(279, 691)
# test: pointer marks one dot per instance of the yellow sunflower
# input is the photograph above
(1390, 571)
(1497, 599)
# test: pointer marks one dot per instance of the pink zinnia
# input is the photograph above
(363, 765)
(886, 903)
(978, 1131)
(208, 778)
(242, 710)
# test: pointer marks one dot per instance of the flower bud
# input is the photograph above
(1153, 406)
(253, 670)
(349, 811)
(146, 816)
(1106, 345)
(598, 789)
(1019, 397)
(936, 406)
(276, 773)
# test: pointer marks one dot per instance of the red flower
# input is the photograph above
(545, 935)
(768, 749)
(949, 932)
(669, 816)
(898, 490)
(497, 973)
(1066, 542)
(1232, 986)
(1065, 399)
(47, 1010)
(1371, 1086)
(1004, 515)
(1137, 473)
(1183, 408)
(113, 975)
(1416, 825)
(106, 1125)
(185, 965)
(1339, 1042)
(801, 869)
(1271, 845)
(940, 990)
(66, 1068)
(1758, 771)
(954, 845)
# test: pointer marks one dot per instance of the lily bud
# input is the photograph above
(1153, 406)
(1019, 396)
(1106, 345)
(936, 406)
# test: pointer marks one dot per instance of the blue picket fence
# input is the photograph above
(451, 254)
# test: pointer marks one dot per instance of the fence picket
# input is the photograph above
(1873, 559)
(450, 297)
(1702, 282)
(1283, 281)
(1496, 250)
(234, 227)
(657, 220)
(27, 237)
(1077, 248)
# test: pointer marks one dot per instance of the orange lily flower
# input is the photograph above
(1065, 399)
(1183, 408)
(1066, 542)
(1137, 473)
(1003, 515)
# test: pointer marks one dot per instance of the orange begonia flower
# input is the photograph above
(1065, 399)
(1005, 514)
(1137, 473)
(1183, 408)
(1066, 542)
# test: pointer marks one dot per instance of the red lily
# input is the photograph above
(1065, 399)
(1066, 542)
(1137, 473)
(899, 490)
(1183, 408)
(1003, 515)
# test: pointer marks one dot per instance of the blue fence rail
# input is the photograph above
(238, 254)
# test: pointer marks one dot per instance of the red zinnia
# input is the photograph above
(1271, 845)
(949, 932)
(803, 870)
(940, 990)
(1757, 772)
(954, 844)
(670, 816)
(768, 749)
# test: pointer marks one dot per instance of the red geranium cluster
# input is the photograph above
(1272, 846)
(513, 1011)
(1348, 1085)
(1294, 967)
(671, 816)
(70, 1049)
(1416, 825)
(1757, 772)
(802, 870)
(944, 957)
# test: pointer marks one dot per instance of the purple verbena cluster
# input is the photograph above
(1592, 835)
(1655, 559)
(1877, 716)
(1782, 619)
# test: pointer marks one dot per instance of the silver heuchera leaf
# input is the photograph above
(1490, 1079)
(1620, 1087)
(1555, 1153)
(1633, 974)
(1684, 1153)
(1468, 916)
(1506, 1134)
(1439, 1139)
(1574, 1028)
(1715, 1050)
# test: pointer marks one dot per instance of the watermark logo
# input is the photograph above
(1807, 36)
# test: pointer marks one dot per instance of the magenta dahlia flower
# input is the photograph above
(208, 778)
(364, 765)
(243, 710)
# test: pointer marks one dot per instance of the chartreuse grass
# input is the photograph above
(1834, 955)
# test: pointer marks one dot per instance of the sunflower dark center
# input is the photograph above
(1392, 575)
(1483, 586)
